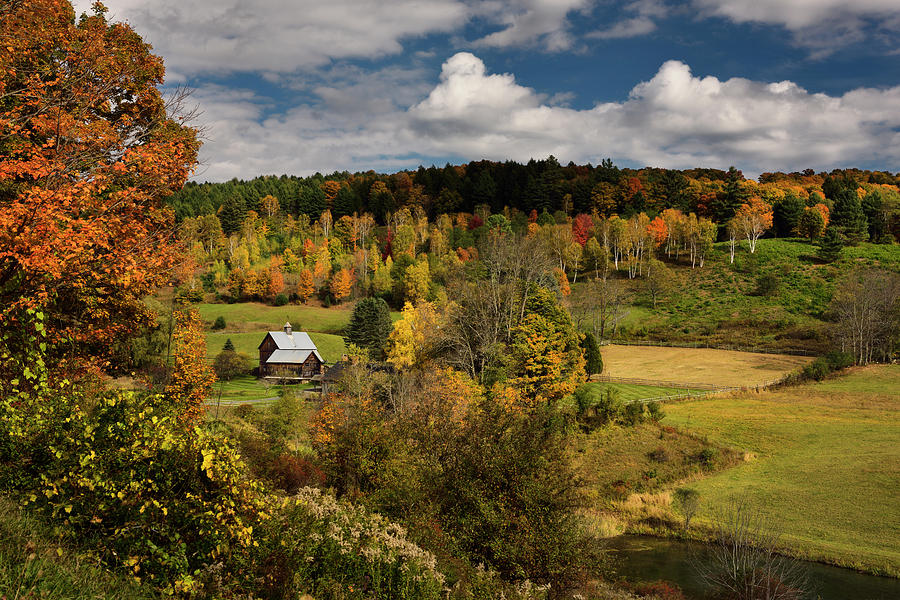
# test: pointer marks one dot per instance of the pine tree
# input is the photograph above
(831, 245)
(370, 325)
(229, 346)
(592, 358)
(848, 216)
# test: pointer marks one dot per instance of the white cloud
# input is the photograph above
(202, 36)
(821, 25)
(531, 22)
(675, 119)
(641, 24)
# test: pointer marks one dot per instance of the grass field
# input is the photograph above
(245, 317)
(827, 466)
(722, 303)
(257, 317)
(697, 365)
(628, 392)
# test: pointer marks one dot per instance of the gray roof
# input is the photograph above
(292, 349)
(294, 357)
(299, 340)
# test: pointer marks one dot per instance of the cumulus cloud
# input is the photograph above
(675, 119)
(530, 22)
(203, 36)
(818, 24)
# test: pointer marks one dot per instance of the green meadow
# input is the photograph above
(822, 465)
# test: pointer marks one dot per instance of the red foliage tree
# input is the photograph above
(87, 151)
(582, 227)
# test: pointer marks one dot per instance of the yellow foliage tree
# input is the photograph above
(192, 376)
(410, 343)
(416, 281)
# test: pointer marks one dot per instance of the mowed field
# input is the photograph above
(825, 463)
(684, 366)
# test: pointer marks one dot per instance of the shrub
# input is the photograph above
(219, 323)
(707, 457)
(281, 299)
(290, 473)
(230, 364)
(633, 414)
(660, 455)
(659, 590)
(655, 412)
(688, 500)
(596, 406)
(767, 285)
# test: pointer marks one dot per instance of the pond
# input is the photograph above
(652, 559)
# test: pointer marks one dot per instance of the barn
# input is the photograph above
(289, 355)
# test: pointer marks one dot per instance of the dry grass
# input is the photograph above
(698, 365)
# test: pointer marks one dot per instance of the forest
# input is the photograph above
(468, 449)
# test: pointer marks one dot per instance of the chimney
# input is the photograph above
(287, 328)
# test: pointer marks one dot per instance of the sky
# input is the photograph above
(305, 86)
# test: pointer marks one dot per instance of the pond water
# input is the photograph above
(651, 559)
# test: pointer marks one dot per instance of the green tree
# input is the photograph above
(848, 216)
(787, 215)
(811, 224)
(831, 245)
(592, 357)
(229, 364)
(370, 325)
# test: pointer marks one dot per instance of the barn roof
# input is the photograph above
(295, 357)
(298, 340)
(292, 348)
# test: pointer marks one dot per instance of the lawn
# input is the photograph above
(242, 389)
(827, 467)
(628, 392)
(697, 365)
(245, 317)
(254, 316)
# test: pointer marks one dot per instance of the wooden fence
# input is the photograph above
(702, 389)
(707, 345)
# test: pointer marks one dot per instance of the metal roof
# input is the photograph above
(299, 340)
(293, 357)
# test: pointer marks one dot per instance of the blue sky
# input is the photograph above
(297, 86)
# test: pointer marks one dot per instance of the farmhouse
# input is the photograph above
(289, 355)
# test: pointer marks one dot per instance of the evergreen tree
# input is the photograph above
(733, 195)
(311, 201)
(233, 212)
(787, 215)
(346, 203)
(831, 245)
(370, 325)
(848, 216)
(229, 346)
(592, 358)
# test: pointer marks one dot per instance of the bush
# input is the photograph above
(660, 455)
(596, 406)
(290, 473)
(633, 414)
(655, 412)
(219, 323)
(825, 365)
(281, 299)
(767, 285)
(688, 501)
(230, 364)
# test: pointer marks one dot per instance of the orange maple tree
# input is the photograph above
(305, 286)
(88, 149)
(341, 284)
